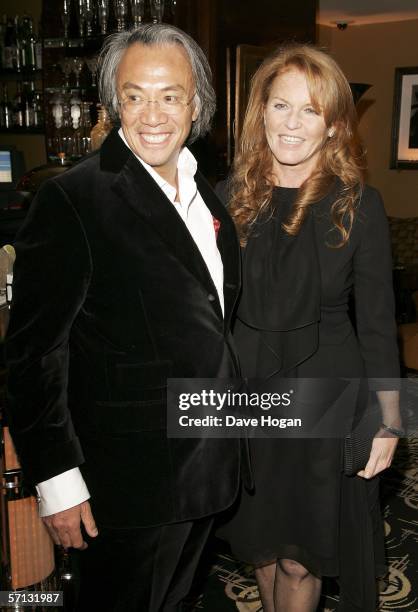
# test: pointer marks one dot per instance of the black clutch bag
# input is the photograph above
(356, 452)
(358, 443)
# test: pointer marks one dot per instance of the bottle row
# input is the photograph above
(24, 110)
(20, 48)
(71, 134)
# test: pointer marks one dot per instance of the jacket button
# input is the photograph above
(211, 297)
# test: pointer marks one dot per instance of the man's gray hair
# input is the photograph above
(157, 34)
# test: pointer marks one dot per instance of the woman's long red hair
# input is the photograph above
(341, 155)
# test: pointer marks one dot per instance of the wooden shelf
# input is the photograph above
(63, 89)
(22, 130)
(22, 75)
(91, 43)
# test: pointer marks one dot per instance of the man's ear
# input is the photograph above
(195, 112)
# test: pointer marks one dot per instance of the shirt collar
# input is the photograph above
(186, 168)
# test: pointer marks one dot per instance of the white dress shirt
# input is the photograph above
(69, 489)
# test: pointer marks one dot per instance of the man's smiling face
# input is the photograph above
(153, 72)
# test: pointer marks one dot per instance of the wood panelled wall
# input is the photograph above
(220, 26)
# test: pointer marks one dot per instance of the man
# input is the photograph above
(126, 274)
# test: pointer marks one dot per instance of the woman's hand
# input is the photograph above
(381, 455)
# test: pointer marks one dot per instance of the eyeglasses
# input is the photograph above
(169, 103)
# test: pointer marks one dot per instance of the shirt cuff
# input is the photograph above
(61, 492)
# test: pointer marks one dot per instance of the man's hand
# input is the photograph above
(64, 527)
(381, 455)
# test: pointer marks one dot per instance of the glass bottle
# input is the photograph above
(17, 44)
(67, 130)
(18, 107)
(3, 25)
(23, 31)
(38, 110)
(28, 91)
(28, 44)
(82, 134)
(6, 109)
(38, 48)
(75, 112)
(10, 59)
(101, 129)
(55, 145)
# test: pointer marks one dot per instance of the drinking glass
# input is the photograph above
(103, 14)
(78, 63)
(66, 66)
(92, 66)
(66, 16)
(137, 10)
(157, 10)
(89, 16)
(81, 15)
(121, 10)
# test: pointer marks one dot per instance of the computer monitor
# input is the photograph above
(11, 167)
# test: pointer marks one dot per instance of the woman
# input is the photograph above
(312, 234)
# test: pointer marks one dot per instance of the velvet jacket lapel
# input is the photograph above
(227, 244)
(137, 189)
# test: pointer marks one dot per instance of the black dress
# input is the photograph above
(293, 321)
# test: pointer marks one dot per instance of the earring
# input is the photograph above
(331, 133)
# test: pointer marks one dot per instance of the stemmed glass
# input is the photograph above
(137, 10)
(103, 13)
(66, 16)
(66, 66)
(121, 10)
(157, 10)
(81, 16)
(89, 16)
(78, 63)
(92, 66)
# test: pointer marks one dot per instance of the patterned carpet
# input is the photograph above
(231, 585)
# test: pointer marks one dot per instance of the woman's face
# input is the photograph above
(295, 131)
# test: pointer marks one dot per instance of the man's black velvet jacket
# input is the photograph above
(110, 298)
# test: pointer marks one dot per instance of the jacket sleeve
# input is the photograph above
(51, 276)
(374, 299)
